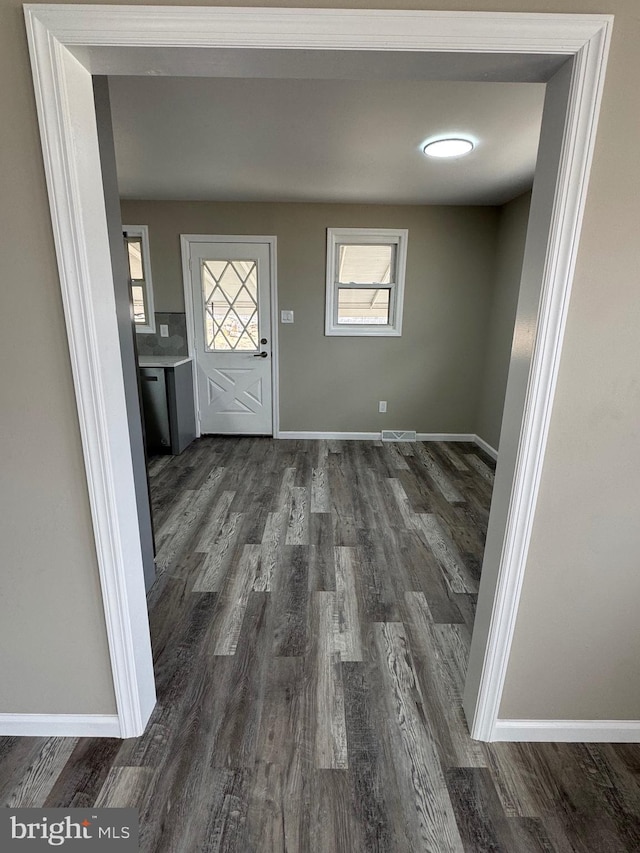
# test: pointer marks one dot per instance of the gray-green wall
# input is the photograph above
(512, 232)
(54, 656)
(430, 377)
(577, 634)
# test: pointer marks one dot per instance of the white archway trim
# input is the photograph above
(69, 141)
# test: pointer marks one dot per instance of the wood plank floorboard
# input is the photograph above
(291, 602)
(326, 726)
(322, 573)
(44, 762)
(373, 794)
(311, 624)
(82, 777)
(376, 584)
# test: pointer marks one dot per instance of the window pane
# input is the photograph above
(230, 291)
(134, 249)
(139, 314)
(363, 305)
(366, 264)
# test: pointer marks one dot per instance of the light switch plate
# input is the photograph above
(286, 316)
(164, 330)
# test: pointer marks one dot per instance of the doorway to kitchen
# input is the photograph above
(65, 53)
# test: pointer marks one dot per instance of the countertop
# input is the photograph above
(163, 360)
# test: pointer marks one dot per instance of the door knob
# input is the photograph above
(262, 354)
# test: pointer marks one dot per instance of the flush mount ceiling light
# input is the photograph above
(448, 147)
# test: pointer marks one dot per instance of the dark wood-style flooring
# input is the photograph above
(311, 625)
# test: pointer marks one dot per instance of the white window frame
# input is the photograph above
(337, 237)
(142, 231)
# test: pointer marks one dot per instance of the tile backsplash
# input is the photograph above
(175, 344)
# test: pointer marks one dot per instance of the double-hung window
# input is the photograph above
(365, 281)
(136, 240)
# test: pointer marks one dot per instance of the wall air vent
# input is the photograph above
(398, 435)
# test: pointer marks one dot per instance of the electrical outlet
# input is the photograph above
(164, 330)
(286, 316)
(382, 406)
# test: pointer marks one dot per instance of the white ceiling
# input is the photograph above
(322, 140)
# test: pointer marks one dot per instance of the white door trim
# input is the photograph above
(186, 240)
(64, 99)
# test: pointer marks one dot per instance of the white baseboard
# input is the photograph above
(445, 436)
(568, 731)
(60, 725)
(338, 436)
(484, 445)
(375, 436)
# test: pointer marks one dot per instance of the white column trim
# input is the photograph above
(571, 189)
(350, 29)
(74, 178)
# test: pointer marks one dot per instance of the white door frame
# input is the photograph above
(68, 43)
(186, 240)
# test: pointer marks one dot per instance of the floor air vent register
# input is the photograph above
(398, 435)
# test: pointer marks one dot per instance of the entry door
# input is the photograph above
(232, 334)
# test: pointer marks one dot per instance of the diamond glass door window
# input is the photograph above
(230, 293)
